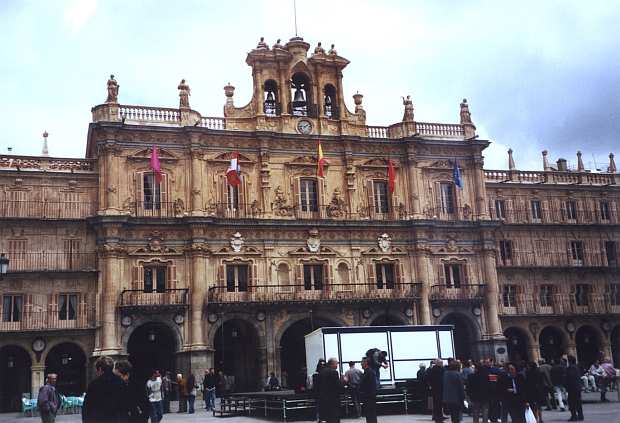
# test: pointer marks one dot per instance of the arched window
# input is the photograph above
(271, 98)
(330, 103)
(302, 96)
(283, 274)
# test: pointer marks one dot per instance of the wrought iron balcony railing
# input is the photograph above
(334, 293)
(549, 215)
(558, 304)
(58, 261)
(138, 298)
(46, 209)
(84, 318)
(551, 259)
(451, 293)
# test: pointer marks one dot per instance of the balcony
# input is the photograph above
(462, 294)
(50, 320)
(454, 214)
(554, 216)
(48, 210)
(297, 294)
(172, 298)
(558, 305)
(549, 177)
(542, 259)
(52, 262)
(157, 209)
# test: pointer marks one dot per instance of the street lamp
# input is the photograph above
(4, 265)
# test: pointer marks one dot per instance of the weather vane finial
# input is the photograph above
(295, 15)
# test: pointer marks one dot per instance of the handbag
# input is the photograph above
(529, 416)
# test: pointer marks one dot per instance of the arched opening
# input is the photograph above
(301, 94)
(15, 374)
(387, 320)
(343, 274)
(293, 350)
(588, 344)
(152, 346)
(237, 355)
(330, 103)
(517, 343)
(284, 277)
(271, 98)
(551, 344)
(615, 346)
(463, 333)
(68, 361)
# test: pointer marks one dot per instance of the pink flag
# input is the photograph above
(155, 164)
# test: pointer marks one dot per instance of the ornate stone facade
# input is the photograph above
(109, 260)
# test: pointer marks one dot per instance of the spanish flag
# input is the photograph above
(321, 161)
(391, 176)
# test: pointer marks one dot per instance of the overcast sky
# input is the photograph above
(540, 75)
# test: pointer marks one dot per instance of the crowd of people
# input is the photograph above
(493, 393)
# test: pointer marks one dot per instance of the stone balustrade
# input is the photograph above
(47, 164)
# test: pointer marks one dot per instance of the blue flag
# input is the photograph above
(456, 175)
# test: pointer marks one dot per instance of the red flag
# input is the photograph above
(391, 175)
(321, 161)
(233, 173)
(155, 164)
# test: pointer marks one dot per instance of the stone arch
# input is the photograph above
(139, 321)
(68, 360)
(291, 347)
(214, 327)
(343, 270)
(283, 273)
(588, 342)
(86, 349)
(152, 345)
(553, 343)
(388, 318)
(517, 342)
(615, 346)
(466, 334)
(239, 354)
(15, 376)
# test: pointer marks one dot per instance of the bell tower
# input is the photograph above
(294, 92)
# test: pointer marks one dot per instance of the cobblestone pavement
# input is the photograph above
(594, 412)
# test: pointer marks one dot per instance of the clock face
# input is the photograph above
(38, 345)
(304, 126)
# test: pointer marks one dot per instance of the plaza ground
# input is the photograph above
(594, 411)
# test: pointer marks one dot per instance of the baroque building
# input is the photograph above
(190, 272)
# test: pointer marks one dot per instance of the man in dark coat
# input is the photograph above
(511, 389)
(434, 379)
(330, 389)
(478, 390)
(104, 398)
(573, 387)
(48, 400)
(135, 405)
(368, 392)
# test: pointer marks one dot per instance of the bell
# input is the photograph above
(328, 100)
(299, 96)
(270, 96)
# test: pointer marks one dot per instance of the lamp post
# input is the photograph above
(4, 265)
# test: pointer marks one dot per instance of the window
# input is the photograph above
(505, 251)
(614, 294)
(72, 253)
(604, 207)
(546, 295)
(570, 210)
(536, 210)
(576, 250)
(237, 277)
(611, 253)
(271, 98)
(151, 192)
(67, 306)
(155, 279)
(500, 209)
(384, 275)
(509, 295)
(308, 195)
(313, 276)
(447, 198)
(453, 274)
(329, 102)
(380, 196)
(232, 197)
(12, 308)
(582, 293)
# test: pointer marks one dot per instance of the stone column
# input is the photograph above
(198, 297)
(109, 182)
(109, 297)
(571, 348)
(196, 192)
(606, 349)
(491, 290)
(481, 210)
(414, 188)
(422, 274)
(534, 351)
(37, 378)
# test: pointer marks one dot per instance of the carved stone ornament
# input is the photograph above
(385, 242)
(337, 207)
(236, 242)
(279, 206)
(314, 242)
(155, 244)
(179, 207)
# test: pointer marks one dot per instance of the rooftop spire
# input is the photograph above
(45, 152)
(545, 161)
(580, 167)
(511, 161)
(612, 164)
